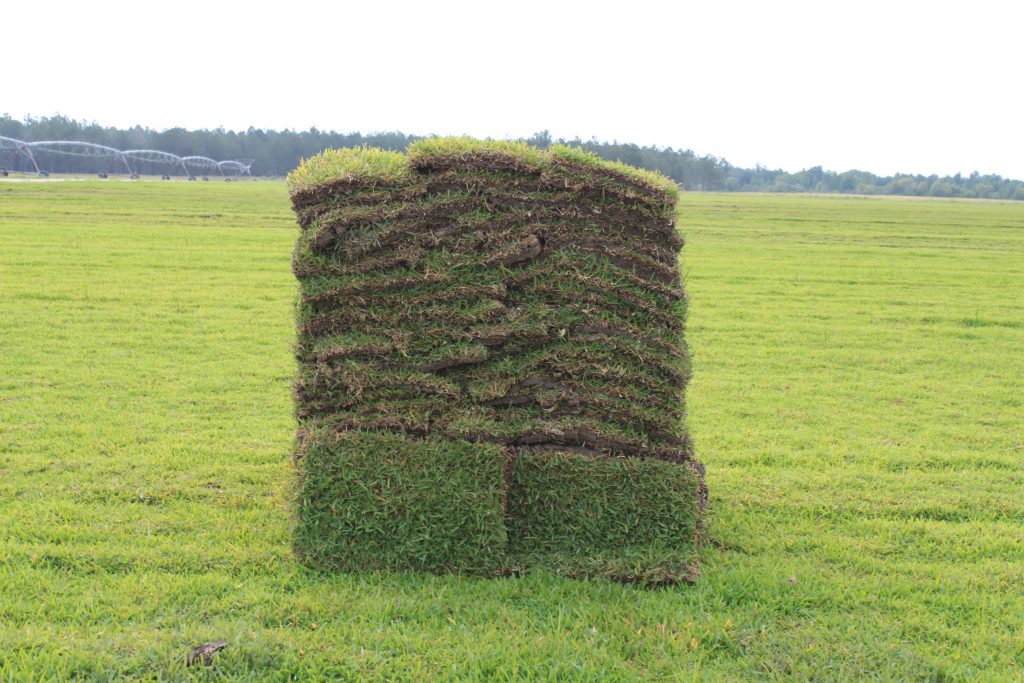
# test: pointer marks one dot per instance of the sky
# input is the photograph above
(896, 86)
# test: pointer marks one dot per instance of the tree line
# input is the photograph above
(274, 153)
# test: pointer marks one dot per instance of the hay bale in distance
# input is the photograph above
(492, 365)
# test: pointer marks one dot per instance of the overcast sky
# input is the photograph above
(897, 86)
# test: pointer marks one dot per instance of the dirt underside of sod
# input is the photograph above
(492, 365)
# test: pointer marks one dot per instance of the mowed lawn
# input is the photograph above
(858, 400)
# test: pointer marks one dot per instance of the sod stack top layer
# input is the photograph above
(491, 364)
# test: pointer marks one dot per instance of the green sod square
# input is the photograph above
(627, 519)
(371, 501)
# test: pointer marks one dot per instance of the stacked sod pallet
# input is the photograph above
(492, 364)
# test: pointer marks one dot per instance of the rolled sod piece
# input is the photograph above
(492, 364)
(626, 519)
(370, 501)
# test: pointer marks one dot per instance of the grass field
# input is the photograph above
(858, 400)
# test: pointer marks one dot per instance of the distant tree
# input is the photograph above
(541, 140)
(275, 153)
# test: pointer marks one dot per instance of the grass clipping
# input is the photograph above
(492, 365)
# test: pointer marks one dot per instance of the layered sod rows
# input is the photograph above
(492, 366)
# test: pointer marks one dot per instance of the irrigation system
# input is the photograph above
(43, 156)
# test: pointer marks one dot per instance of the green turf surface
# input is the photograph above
(857, 399)
(370, 501)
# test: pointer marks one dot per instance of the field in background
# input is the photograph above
(858, 401)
